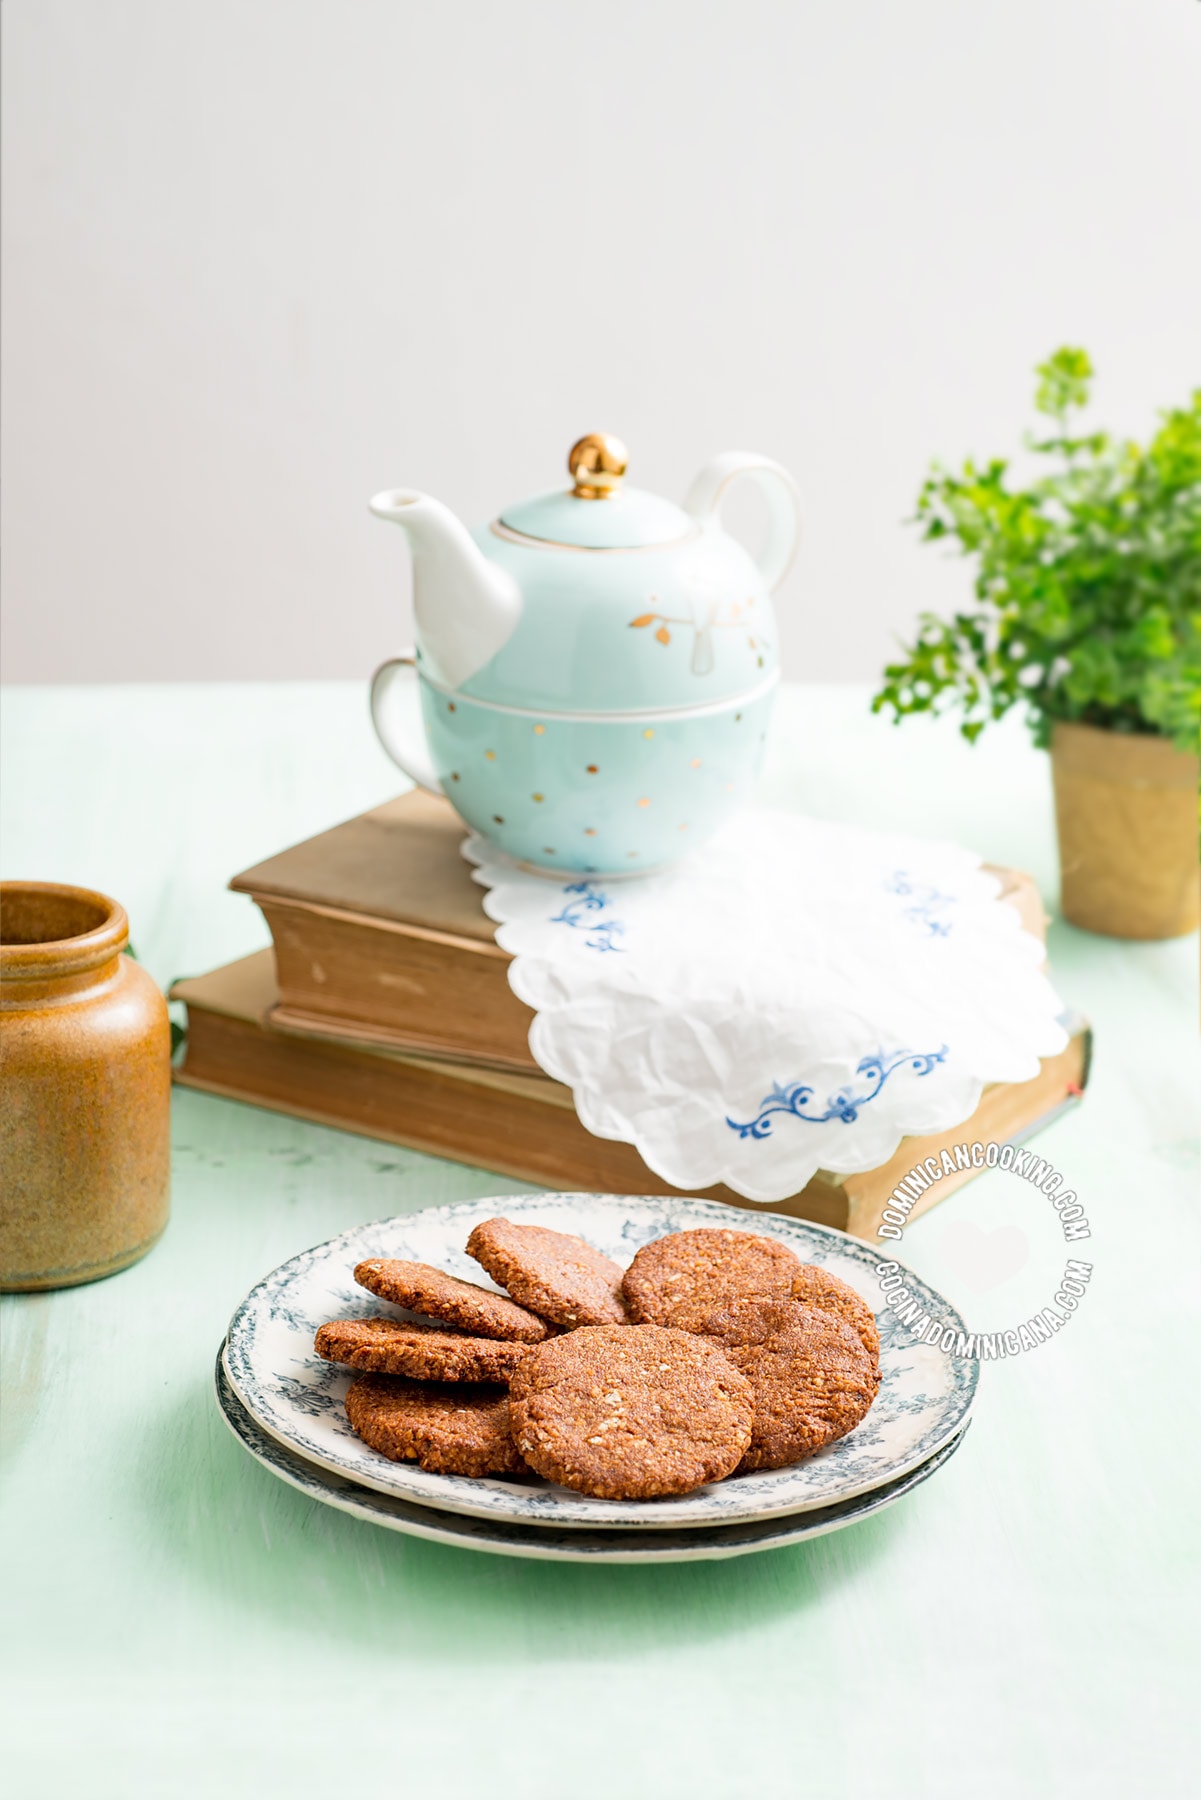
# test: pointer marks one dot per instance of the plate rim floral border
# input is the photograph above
(527, 1505)
(463, 1531)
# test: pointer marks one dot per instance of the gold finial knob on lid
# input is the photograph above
(597, 463)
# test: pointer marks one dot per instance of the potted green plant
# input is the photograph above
(1088, 614)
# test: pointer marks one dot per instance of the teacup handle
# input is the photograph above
(784, 518)
(396, 715)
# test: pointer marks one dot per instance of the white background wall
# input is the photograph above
(264, 257)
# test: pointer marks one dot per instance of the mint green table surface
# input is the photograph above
(177, 1622)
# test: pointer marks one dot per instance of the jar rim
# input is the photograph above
(68, 952)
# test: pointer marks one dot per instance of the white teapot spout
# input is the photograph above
(466, 607)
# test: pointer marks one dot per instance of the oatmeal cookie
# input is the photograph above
(818, 1287)
(436, 1295)
(811, 1376)
(628, 1412)
(447, 1429)
(422, 1352)
(559, 1277)
(680, 1279)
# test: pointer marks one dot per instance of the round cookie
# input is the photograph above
(811, 1376)
(422, 1352)
(448, 1430)
(560, 1277)
(626, 1412)
(680, 1279)
(436, 1295)
(815, 1286)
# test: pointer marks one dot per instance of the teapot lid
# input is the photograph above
(598, 513)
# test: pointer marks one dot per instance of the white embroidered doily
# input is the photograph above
(796, 996)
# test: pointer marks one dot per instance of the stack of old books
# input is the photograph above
(384, 1008)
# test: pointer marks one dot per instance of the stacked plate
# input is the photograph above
(286, 1406)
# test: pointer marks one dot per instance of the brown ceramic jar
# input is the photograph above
(85, 1049)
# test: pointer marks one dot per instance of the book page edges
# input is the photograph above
(245, 991)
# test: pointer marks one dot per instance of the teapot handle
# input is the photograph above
(396, 715)
(707, 492)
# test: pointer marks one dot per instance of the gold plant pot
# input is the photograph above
(1126, 809)
(85, 1120)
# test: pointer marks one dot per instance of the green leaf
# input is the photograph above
(1087, 579)
(1063, 381)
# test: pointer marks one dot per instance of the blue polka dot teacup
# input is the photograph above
(595, 669)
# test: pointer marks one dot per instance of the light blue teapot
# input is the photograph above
(594, 670)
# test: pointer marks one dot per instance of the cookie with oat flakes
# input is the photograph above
(627, 1412)
(680, 1279)
(447, 1429)
(558, 1276)
(436, 1295)
(815, 1286)
(422, 1352)
(812, 1378)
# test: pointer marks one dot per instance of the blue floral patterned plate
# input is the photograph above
(298, 1399)
(703, 1544)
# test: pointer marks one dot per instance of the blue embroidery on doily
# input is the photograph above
(845, 1104)
(580, 915)
(926, 900)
